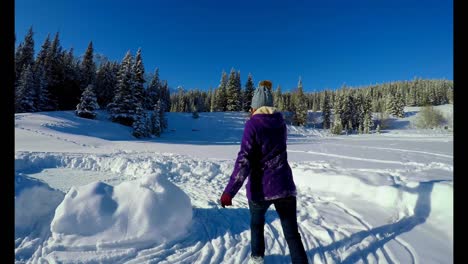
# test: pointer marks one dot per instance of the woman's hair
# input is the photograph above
(266, 83)
(251, 111)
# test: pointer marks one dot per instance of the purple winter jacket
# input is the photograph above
(263, 160)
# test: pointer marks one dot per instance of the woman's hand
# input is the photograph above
(225, 200)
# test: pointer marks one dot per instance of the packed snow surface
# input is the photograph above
(86, 191)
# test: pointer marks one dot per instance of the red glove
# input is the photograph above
(226, 200)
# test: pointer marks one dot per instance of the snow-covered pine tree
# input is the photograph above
(43, 100)
(288, 101)
(213, 100)
(248, 94)
(55, 73)
(153, 91)
(432, 96)
(40, 71)
(300, 106)
(174, 103)
(423, 96)
(24, 55)
(277, 99)
(349, 112)
(390, 104)
(140, 126)
(162, 115)
(195, 114)
(17, 55)
(378, 106)
(71, 90)
(332, 98)
(88, 104)
(239, 92)
(411, 96)
(402, 92)
(165, 96)
(124, 105)
(349, 127)
(326, 111)
(441, 93)
(181, 99)
(358, 119)
(207, 100)
(25, 93)
(106, 81)
(139, 77)
(88, 68)
(395, 105)
(337, 128)
(156, 126)
(232, 93)
(450, 95)
(400, 105)
(42, 55)
(317, 102)
(378, 128)
(339, 107)
(367, 125)
(367, 114)
(360, 130)
(221, 100)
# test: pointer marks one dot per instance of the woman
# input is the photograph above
(263, 160)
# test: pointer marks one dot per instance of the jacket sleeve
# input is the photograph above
(242, 167)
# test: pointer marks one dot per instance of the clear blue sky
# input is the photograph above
(327, 42)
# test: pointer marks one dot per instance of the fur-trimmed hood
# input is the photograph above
(265, 110)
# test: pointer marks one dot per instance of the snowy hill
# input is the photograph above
(106, 197)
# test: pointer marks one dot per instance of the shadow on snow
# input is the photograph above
(382, 234)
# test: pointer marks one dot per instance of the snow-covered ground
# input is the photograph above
(88, 192)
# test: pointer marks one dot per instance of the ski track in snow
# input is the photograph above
(396, 149)
(222, 235)
(41, 132)
(412, 163)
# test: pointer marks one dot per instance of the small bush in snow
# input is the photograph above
(429, 117)
(195, 114)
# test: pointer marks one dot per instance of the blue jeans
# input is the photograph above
(286, 209)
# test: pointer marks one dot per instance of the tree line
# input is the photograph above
(57, 80)
(353, 106)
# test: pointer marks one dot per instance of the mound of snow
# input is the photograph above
(137, 213)
(442, 207)
(35, 203)
(431, 200)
